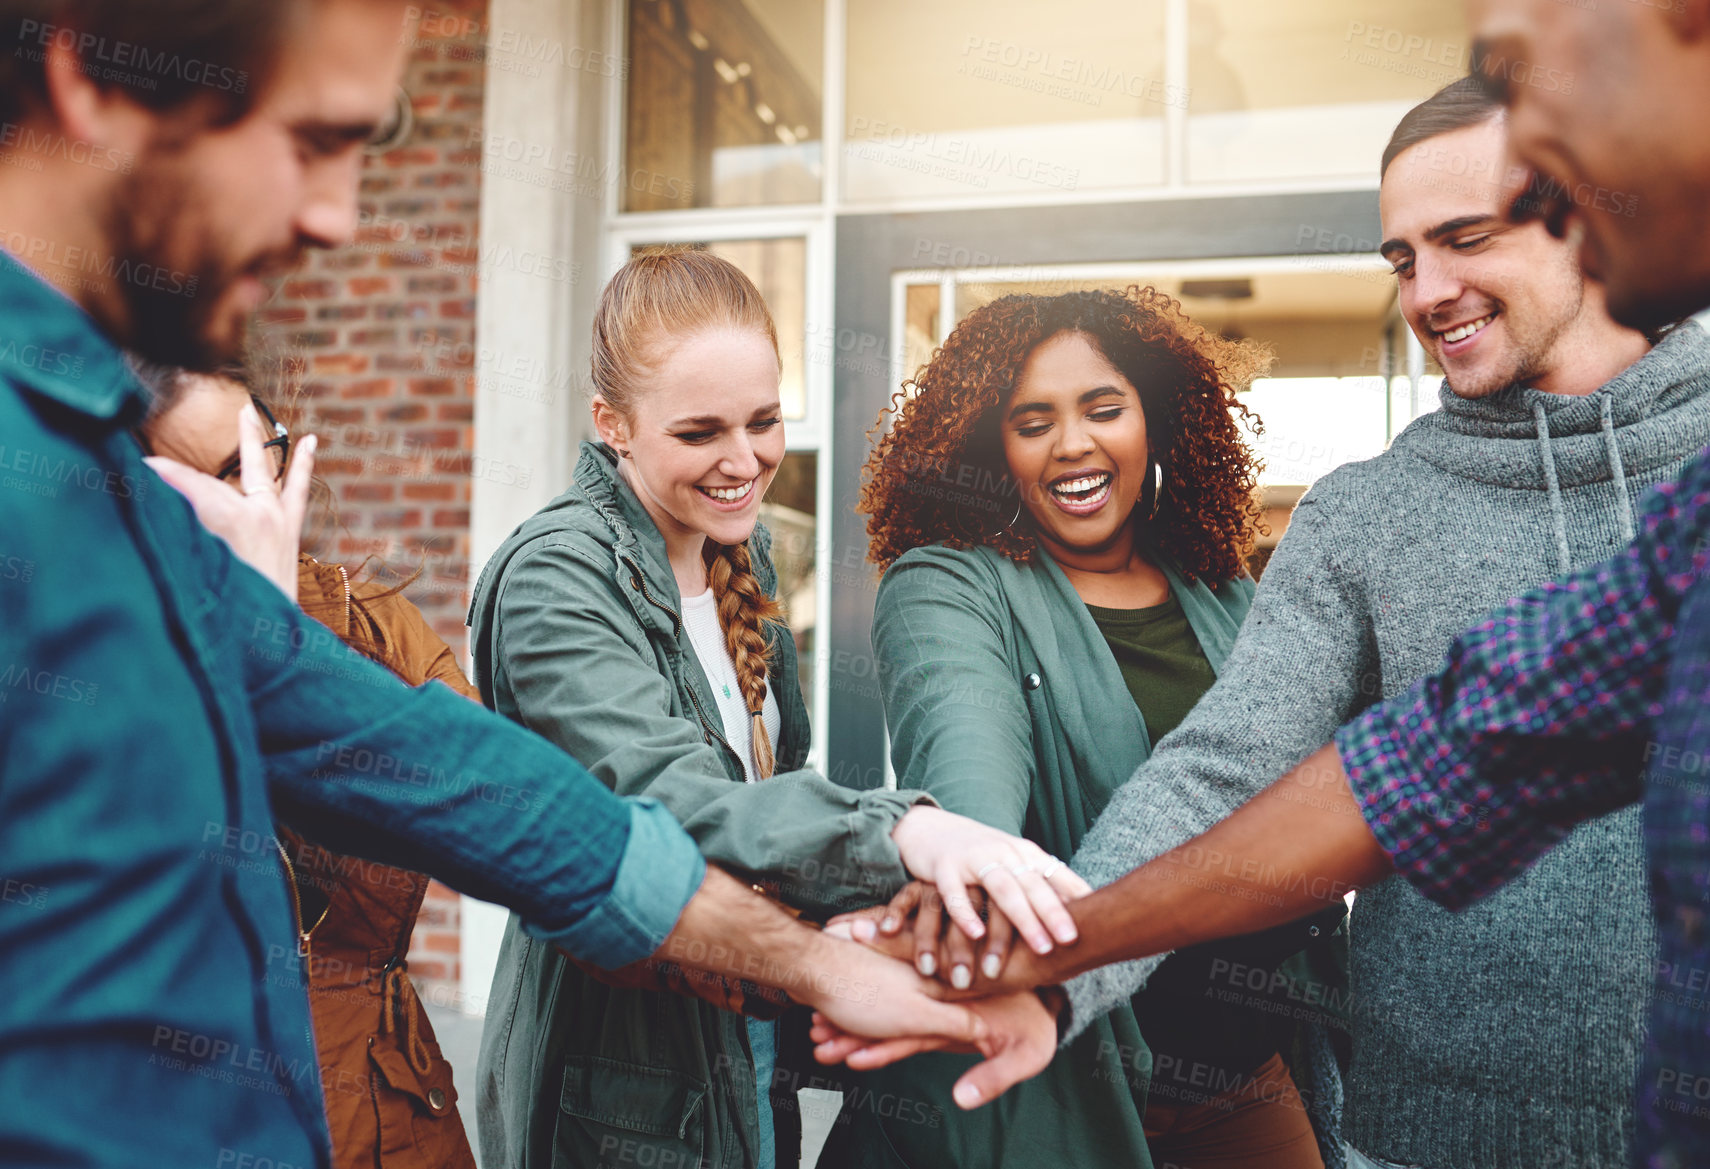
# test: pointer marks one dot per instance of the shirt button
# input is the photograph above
(436, 1098)
(1032, 682)
(1313, 930)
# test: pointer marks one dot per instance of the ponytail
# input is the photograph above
(742, 607)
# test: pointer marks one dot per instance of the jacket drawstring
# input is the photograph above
(1557, 511)
(1617, 469)
(397, 996)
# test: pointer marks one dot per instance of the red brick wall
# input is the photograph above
(380, 336)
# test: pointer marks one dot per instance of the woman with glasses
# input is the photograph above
(389, 1095)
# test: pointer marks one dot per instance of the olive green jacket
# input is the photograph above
(1006, 704)
(577, 636)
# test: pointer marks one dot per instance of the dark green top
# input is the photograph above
(1184, 1023)
(1160, 659)
(1004, 702)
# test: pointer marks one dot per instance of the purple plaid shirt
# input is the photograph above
(1571, 701)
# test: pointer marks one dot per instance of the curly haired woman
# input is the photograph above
(1061, 510)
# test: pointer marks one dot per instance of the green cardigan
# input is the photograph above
(1005, 703)
(577, 635)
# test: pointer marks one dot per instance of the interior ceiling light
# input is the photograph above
(726, 71)
(786, 136)
(698, 39)
(801, 133)
(1237, 289)
(764, 113)
(743, 69)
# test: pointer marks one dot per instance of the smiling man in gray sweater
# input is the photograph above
(1505, 1036)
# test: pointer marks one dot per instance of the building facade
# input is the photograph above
(880, 169)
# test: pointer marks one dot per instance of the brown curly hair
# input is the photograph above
(938, 474)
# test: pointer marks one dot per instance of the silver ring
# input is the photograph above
(981, 875)
(1019, 867)
(1050, 870)
(259, 491)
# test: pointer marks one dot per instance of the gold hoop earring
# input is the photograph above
(1156, 487)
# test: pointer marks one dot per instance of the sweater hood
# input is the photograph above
(1651, 414)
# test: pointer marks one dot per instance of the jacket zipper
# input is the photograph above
(677, 633)
(302, 934)
(297, 907)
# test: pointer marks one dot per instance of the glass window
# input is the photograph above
(1315, 424)
(723, 103)
(920, 326)
(790, 513)
(778, 268)
(1311, 88)
(976, 97)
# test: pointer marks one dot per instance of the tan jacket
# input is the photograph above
(390, 1100)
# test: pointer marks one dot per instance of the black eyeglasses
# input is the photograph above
(279, 444)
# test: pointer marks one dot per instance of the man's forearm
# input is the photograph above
(730, 931)
(1294, 847)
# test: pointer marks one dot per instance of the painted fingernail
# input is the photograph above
(990, 965)
(889, 925)
(967, 1096)
(961, 977)
(863, 931)
(927, 964)
(1041, 943)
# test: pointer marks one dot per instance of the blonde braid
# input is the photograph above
(742, 606)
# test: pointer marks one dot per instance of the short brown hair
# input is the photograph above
(163, 53)
(1456, 106)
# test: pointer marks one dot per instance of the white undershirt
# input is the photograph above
(700, 618)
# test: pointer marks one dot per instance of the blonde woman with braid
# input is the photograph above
(632, 621)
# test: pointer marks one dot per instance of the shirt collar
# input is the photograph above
(50, 346)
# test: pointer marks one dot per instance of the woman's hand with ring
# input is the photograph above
(262, 524)
(954, 852)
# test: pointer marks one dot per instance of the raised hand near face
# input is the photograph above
(262, 517)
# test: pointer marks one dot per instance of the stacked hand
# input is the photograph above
(1016, 1032)
(1029, 885)
(728, 931)
(1017, 1025)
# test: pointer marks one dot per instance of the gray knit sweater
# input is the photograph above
(1505, 1036)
